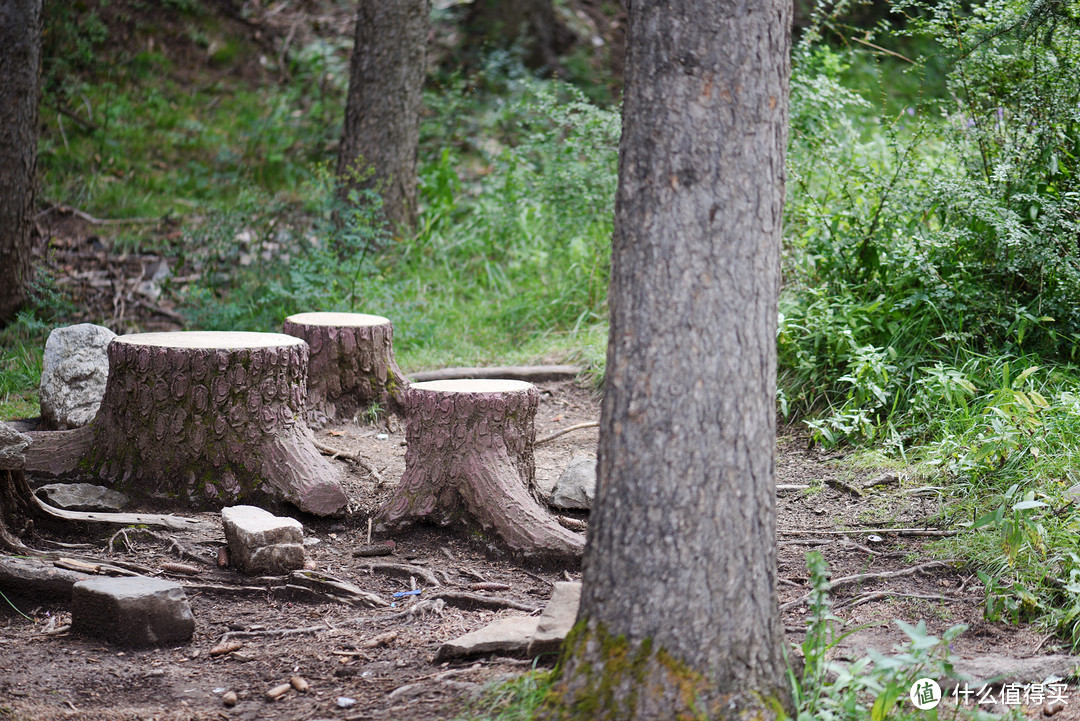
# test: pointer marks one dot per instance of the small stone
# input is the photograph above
(1051, 708)
(132, 611)
(383, 437)
(82, 497)
(885, 479)
(576, 487)
(230, 699)
(13, 444)
(345, 702)
(74, 372)
(299, 683)
(874, 538)
(312, 541)
(262, 543)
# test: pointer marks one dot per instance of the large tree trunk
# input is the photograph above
(351, 365)
(382, 113)
(679, 614)
(470, 458)
(208, 419)
(20, 65)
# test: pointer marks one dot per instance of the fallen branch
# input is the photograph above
(354, 457)
(845, 581)
(337, 588)
(880, 595)
(858, 531)
(273, 632)
(533, 374)
(842, 486)
(98, 221)
(174, 545)
(564, 431)
(469, 601)
(176, 523)
(404, 570)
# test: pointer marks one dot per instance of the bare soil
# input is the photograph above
(60, 676)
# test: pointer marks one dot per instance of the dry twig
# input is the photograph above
(564, 431)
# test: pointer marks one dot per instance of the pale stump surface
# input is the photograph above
(469, 458)
(351, 364)
(202, 418)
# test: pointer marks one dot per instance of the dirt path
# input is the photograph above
(59, 676)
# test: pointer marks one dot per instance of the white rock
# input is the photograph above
(73, 375)
(12, 448)
(576, 487)
(260, 542)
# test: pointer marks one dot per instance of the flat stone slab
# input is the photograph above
(558, 618)
(510, 635)
(262, 543)
(132, 611)
(997, 669)
(82, 497)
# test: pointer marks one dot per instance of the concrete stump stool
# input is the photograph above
(470, 455)
(352, 363)
(203, 418)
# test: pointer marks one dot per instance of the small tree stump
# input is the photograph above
(470, 454)
(352, 363)
(205, 418)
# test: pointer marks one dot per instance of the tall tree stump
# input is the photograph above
(204, 418)
(352, 363)
(470, 456)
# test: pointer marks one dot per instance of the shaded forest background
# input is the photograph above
(929, 310)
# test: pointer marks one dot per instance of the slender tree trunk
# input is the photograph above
(679, 614)
(382, 114)
(529, 24)
(20, 66)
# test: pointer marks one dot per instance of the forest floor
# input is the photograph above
(47, 675)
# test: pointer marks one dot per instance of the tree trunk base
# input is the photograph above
(351, 365)
(469, 459)
(203, 420)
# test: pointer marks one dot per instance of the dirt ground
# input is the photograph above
(47, 675)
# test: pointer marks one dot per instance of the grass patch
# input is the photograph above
(514, 700)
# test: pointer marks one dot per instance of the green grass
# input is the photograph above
(514, 700)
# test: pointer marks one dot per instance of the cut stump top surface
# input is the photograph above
(210, 339)
(473, 385)
(345, 320)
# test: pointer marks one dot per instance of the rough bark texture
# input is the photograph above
(17, 507)
(351, 363)
(470, 458)
(382, 112)
(187, 421)
(20, 64)
(679, 611)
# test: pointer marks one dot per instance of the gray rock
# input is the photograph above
(82, 497)
(510, 635)
(997, 669)
(132, 611)
(576, 487)
(12, 447)
(260, 542)
(73, 375)
(558, 618)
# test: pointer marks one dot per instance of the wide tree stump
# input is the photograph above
(201, 418)
(470, 456)
(352, 363)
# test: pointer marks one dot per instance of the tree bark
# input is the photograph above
(20, 69)
(351, 363)
(679, 615)
(470, 456)
(204, 419)
(17, 508)
(382, 112)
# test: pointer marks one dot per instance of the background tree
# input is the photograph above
(20, 66)
(382, 113)
(678, 614)
(531, 25)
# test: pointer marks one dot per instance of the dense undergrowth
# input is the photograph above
(931, 298)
